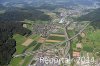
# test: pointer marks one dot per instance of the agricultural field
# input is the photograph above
(24, 44)
(19, 40)
(90, 42)
(54, 38)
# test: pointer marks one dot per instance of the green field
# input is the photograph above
(16, 61)
(93, 40)
(21, 49)
(19, 40)
(27, 60)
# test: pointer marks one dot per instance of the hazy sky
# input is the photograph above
(84, 1)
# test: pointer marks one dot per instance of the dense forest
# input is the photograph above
(20, 14)
(7, 43)
(94, 17)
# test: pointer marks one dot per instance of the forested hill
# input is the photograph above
(94, 17)
(7, 43)
(20, 14)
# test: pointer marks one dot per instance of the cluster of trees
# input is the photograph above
(7, 43)
(94, 17)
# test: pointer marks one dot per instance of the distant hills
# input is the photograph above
(94, 17)
(20, 14)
